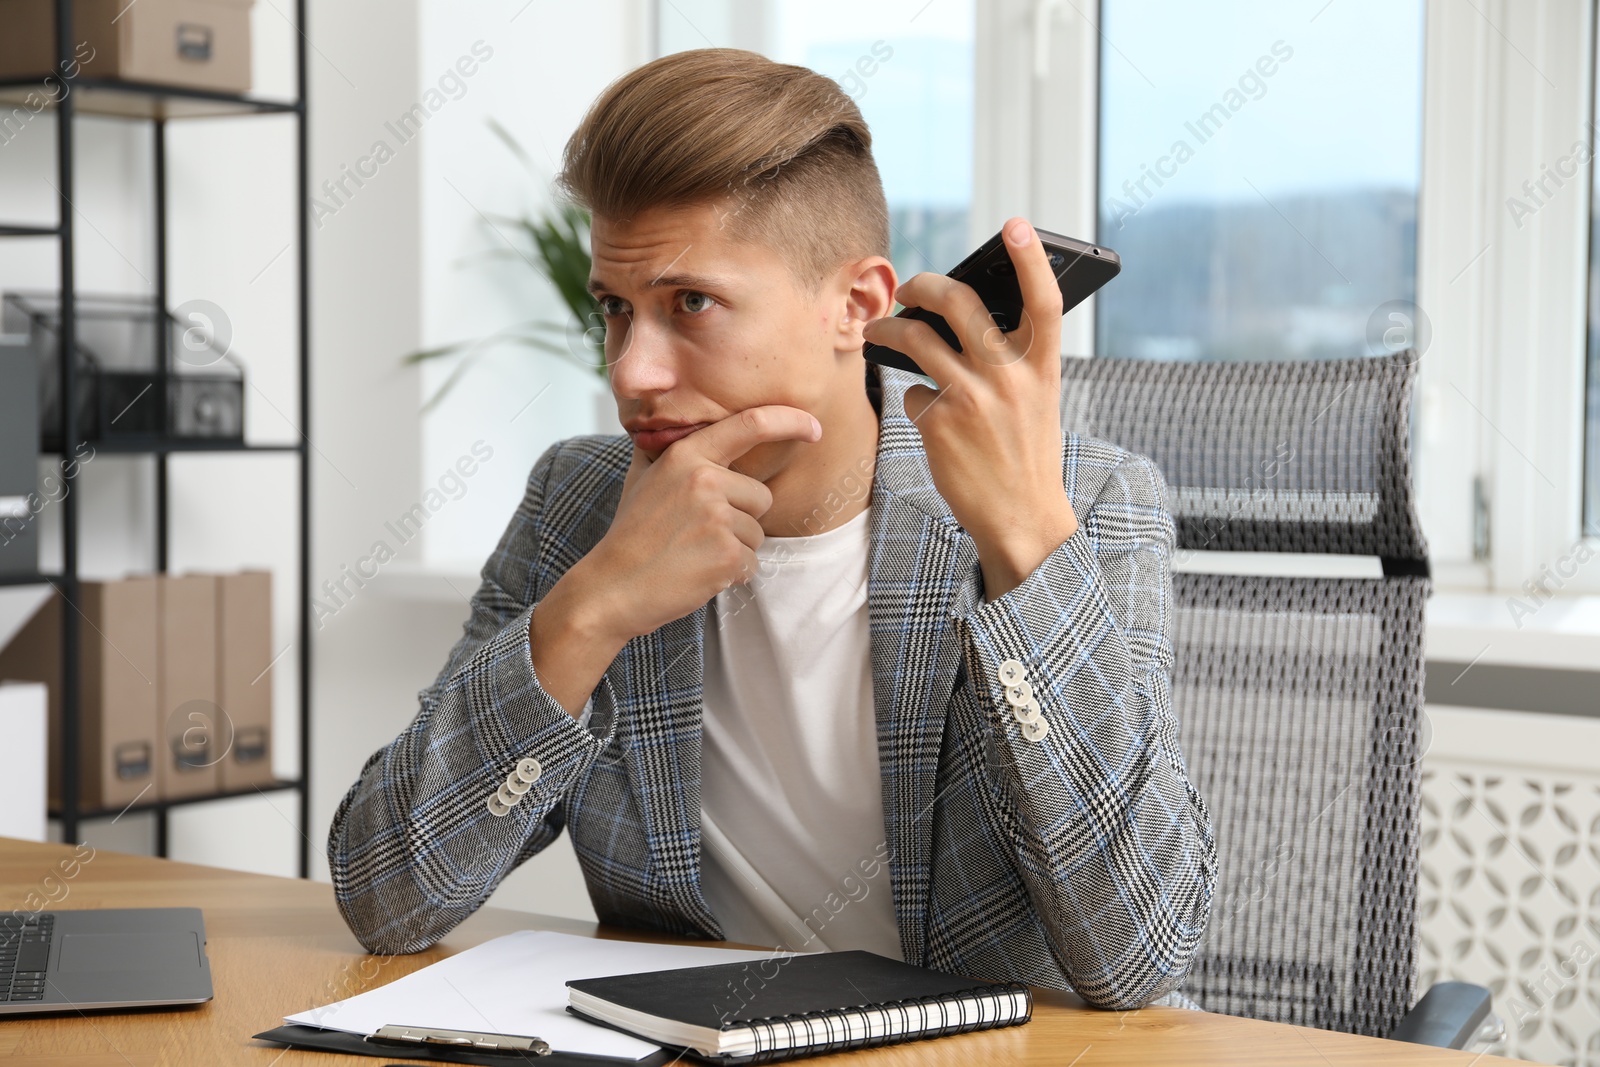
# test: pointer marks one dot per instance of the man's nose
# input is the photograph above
(640, 361)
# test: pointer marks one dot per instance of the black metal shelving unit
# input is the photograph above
(159, 104)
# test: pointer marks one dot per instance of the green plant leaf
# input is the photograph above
(555, 244)
(434, 353)
(448, 383)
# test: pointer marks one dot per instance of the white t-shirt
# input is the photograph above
(793, 842)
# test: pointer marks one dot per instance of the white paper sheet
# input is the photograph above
(516, 984)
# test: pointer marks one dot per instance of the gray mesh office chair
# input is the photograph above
(1299, 699)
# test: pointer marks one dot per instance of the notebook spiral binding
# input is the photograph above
(821, 1024)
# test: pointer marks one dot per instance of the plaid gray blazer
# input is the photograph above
(1083, 860)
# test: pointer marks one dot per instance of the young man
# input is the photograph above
(806, 660)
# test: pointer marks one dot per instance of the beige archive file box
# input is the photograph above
(244, 651)
(190, 718)
(117, 723)
(200, 43)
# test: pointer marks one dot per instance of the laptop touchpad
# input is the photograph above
(155, 951)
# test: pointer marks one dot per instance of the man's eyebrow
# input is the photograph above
(670, 281)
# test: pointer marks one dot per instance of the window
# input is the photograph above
(908, 65)
(1258, 173)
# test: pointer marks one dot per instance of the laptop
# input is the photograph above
(78, 959)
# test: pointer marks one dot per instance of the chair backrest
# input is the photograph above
(1299, 699)
(1267, 457)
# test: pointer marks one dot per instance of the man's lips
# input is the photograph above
(656, 440)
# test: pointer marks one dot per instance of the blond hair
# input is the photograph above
(782, 149)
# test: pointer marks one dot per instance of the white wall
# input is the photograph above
(549, 62)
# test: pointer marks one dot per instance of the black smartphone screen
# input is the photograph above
(1080, 269)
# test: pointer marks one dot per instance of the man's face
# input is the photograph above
(701, 325)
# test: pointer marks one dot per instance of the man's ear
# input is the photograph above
(869, 294)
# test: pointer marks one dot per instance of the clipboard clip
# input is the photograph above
(421, 1035)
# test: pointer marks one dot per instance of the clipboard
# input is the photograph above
(444, 1050)
(508, 985)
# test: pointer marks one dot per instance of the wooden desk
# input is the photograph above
(278, 946)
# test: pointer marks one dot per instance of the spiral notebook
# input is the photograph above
(784, 1007)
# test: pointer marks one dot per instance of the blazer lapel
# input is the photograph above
(921, 575)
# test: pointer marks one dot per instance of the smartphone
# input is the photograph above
(1080, 270)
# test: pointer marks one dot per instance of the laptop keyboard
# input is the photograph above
(24, 955)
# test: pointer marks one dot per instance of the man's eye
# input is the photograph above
(694, 303)
(612, 306)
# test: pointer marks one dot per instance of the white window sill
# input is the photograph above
(1563, 632)
(428, 584)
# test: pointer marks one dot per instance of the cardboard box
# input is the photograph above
(244, 653)
(23, 713)
(118, 724)
(203, 44)
(186, 680)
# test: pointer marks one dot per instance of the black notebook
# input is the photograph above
(792, 1006)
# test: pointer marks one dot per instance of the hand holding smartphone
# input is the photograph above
(1080, 269)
